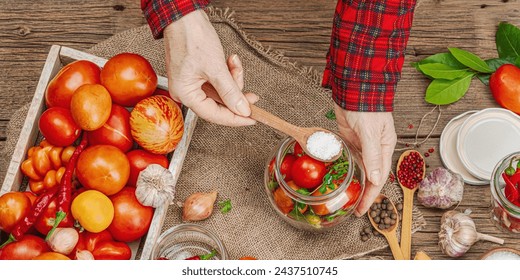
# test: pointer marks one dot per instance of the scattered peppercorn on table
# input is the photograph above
(302, 31)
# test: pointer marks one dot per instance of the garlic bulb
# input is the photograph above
(441, 189)
(198, 206)
(63, 240)
(155, 186)
(458, 233)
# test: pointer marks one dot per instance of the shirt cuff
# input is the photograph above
(160, 13)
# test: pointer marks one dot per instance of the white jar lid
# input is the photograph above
(448, 150)
(485, 138)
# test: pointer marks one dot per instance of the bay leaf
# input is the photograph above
(442, 71)
(470, 60)
(508, 40)
(443, 92)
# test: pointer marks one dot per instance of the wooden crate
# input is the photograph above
(57, 58)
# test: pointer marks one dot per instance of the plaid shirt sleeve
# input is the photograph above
(160, 13)
(366, 52)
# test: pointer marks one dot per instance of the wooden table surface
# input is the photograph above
(301, 30)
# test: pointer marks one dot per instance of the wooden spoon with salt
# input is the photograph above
(388, 233)
(300, 134)
(408, 193)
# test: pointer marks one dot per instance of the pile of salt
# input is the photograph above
(323, 145)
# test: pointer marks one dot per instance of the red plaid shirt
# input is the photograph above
(366, 52)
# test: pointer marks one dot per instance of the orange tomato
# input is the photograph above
(104, 168)
(284, 202)
(52, 256)
(247, 258)
(14, 206)
(90, 106)
(32, 197)
(321, 209)
(129, 78)
(156, 124)
(93, 210)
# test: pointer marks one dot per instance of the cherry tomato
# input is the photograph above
(58, 127)
(112, 250)
(284, 202)
(285, 167)
(52, 256)
(298, 151)
(115, 132)
(104, 168)
(28, 247)
(505, 87)
(247, 258)
(14, 206)
(307, 172)
(72, 76)
(139, 160)
(90, 106)
(32, 197)
(321, 209)
(93, 210)
(353, 193)
(129, 78)
(45, 222)
(131, 218)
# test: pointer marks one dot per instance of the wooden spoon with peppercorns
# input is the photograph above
(302, 135)
(410, 172)
(386, 228)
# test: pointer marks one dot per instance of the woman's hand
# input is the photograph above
(374, 134)
(194, 55)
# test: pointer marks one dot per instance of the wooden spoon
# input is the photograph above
(300, 134)
(406, 228)
(389, 233)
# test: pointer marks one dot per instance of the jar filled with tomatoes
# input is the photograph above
(505, 193)
(310, 194)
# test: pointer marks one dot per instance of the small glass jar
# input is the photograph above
(505, 214)
(321, 208)
(186, 241)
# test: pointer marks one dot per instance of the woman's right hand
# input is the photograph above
(194, 55)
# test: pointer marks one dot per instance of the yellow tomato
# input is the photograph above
(51, 256)
(93, 210)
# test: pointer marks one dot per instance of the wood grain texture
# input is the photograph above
(301, 30)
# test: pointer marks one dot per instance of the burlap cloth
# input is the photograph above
(232, 160)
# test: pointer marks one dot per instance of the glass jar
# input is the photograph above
(315, 209)
(187, 240)
(505, 214)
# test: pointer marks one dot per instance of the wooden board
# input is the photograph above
(58, 57)
(301, 30)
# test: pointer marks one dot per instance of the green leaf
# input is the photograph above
(441, 71)
(495, 63)
(471, 60)
(330, 115)
(484, 78)
(225, 206)
(508, 40)
(442, 58)
(303, 191)
(442, 92)
(517, 61)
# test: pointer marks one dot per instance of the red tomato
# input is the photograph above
(298, 151)
(104, 168)
(112, 250)
(285, 167)
(505, 86)
(28, 247)
(165, 92)
(353, 193)
(58, 127)
(32, 197)
(157, 124)
(72, 76)
(131, 218)
(14, 206)
(129, 78)
(139, 160)
(307, 172)
(46, 220)
(115, 132)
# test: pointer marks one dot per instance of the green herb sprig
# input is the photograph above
(225, 206)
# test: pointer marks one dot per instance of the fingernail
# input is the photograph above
(243, 108)
(375, 177)
(235, 59)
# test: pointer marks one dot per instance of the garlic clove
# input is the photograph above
(198, 206)
(84, 255)
(155, 186)
(63, 240)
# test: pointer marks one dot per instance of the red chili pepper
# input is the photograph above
(65, 186)
(515, 179)
(39, 206)
(510, 191)
(204, 257)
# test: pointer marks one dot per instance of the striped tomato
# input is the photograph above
(157, 125)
